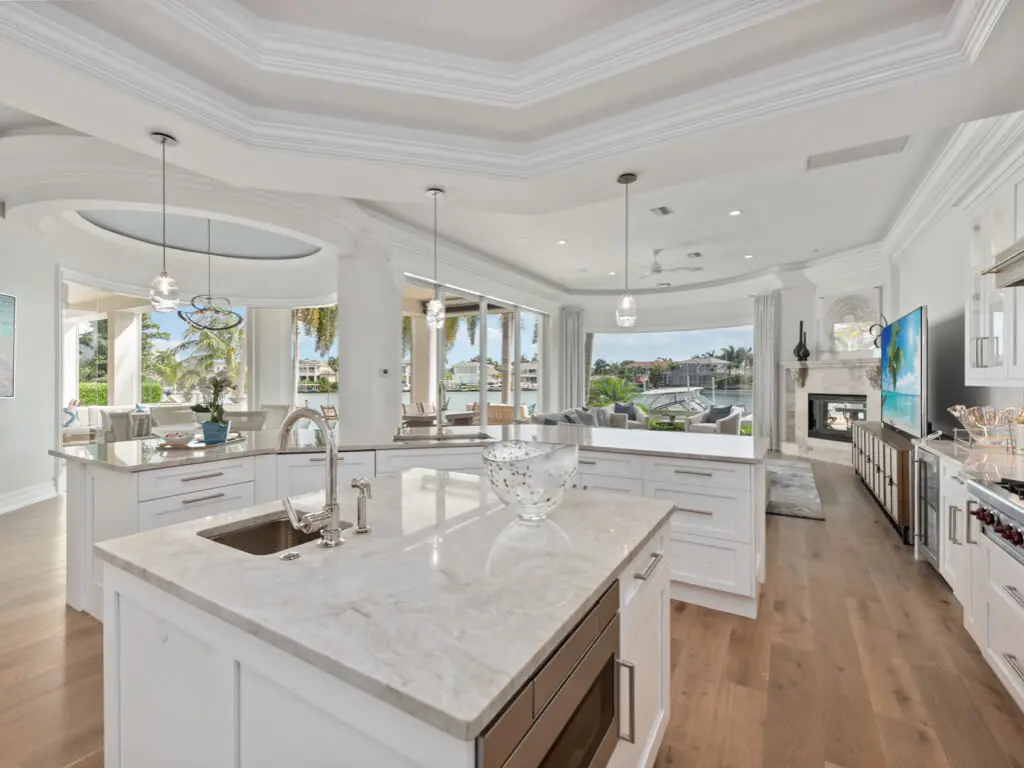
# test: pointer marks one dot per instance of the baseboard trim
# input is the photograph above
(23, 497)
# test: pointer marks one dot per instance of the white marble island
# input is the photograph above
(395, 649)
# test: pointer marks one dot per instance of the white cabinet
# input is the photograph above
(954, 557)
(299, 473)
(627, 486)
(159, 513)
(975, 580)
(453, 459)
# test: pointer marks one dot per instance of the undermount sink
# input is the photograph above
(265, 538)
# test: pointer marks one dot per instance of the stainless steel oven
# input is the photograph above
(567, 715)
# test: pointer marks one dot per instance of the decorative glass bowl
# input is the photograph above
(530, 478)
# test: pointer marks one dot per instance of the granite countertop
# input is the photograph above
(444, 611)
(141, 455)
(981, 463)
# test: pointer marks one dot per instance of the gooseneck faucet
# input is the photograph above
(328, 519)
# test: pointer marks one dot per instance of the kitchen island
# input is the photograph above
(716, 484)
(409, 646)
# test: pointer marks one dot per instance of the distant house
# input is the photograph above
(312, 372)
(468, 374)
(692, 372)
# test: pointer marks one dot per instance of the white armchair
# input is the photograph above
(727, 425)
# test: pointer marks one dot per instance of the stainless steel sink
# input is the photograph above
(265, 538)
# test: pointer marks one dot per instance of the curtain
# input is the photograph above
(766, 378)
(573, 390)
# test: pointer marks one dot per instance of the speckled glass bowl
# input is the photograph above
(530, 478)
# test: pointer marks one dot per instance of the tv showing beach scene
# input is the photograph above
(903, 371)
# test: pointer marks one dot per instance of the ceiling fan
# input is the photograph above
(656, 267)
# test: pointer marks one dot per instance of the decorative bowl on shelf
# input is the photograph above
(178, 438)
(530, 478)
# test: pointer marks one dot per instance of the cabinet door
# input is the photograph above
(976, 601)
(304, 473)
(989, 309)
(621, 485)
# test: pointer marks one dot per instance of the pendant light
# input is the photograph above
(625, 311)
(211, 313)
(163, 292)
(435, 307)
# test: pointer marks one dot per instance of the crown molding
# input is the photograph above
(899, 56)
(637, 41)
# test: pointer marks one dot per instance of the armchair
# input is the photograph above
(727, 425)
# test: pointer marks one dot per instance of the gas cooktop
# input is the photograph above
(999, 506)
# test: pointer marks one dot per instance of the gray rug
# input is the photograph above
(792, 491)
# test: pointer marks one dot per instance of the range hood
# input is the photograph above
(1009, 266)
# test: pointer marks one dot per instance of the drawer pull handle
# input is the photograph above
(693, 511)
(316, 459)
(588, 462)
(694, 472)
(1015, 594)
(631, 668)
(201, 499)
(1014, 665)
(644, 575)
(207, 476)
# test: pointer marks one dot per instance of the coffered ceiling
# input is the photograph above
(526, 112)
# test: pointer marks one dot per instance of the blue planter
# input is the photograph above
(214, 433)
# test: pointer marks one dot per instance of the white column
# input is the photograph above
(269, 334)
(69, 364)
(124, 358)
(421, 358)
(369, 344)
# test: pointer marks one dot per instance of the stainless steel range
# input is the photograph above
(999, 506)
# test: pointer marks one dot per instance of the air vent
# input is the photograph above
(662, 210)
(855, 154)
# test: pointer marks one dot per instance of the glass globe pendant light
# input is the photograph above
(435, 307)
(625, 310)
(163, 291)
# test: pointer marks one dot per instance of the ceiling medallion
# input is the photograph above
(211, 313)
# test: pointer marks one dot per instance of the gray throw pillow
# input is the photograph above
(627, 408)
(552, 421)
(600, 417)
(571, 417)
(587, 418)
(716, 413)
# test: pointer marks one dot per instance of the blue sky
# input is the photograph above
(678, 345)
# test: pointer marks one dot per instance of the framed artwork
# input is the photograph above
(7, 318)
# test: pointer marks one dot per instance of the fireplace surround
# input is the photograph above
(831, 416)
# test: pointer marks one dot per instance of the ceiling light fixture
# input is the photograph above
(612, 274)
(625, 312)
(736, 212)
(211, 313)
(435, 307)
(163, 291)
(561, 242)
(749, 256)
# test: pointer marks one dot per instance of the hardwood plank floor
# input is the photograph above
(858, 658)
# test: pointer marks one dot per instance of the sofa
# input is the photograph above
(719, 421)
(627, 417)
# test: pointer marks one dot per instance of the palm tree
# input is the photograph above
(167, 367)
(895, 358)
(608, 390)
(203, 350)
(472, 324)
(320, 323)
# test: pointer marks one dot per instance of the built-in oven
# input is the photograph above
(926, 537)
(567, 715)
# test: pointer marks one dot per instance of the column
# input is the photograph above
(124, 358)
(69, 365)
(369, 344)
(269, 335)
(422, 361)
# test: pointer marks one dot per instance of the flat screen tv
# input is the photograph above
(904, 370)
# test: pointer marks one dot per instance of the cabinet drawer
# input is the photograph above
(303, 473)
(713, 564)
(643, 581)
(611, 464)
(1006, 580)
(192, 506)
(719, 513)
(623, 485)
(719, 474)
(433, 458)
(1004, 630)
(160, 483)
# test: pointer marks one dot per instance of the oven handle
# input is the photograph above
(631, 668)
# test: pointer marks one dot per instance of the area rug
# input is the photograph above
(792, 491)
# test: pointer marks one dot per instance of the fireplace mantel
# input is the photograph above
(870, 367)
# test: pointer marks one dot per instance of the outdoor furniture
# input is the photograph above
(330, 412)
(276, 414)
(727, 425)
(248, 421)
(176, 415)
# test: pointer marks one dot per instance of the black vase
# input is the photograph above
(800, 351)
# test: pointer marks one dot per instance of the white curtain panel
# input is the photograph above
(766, 379)
(574, 378)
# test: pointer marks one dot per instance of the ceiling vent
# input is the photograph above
(662, 210)
(860, 152)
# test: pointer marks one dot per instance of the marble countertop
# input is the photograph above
(989, 463)
(142, 455)
(444, 611)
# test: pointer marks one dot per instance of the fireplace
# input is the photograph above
(831, 417)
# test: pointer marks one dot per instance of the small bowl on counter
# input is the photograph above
(178, 439)
(530, 478)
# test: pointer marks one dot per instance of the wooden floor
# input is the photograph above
(858, 659)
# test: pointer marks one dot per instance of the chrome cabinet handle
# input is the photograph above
(317, 459)
(201, 499)
(1015, 594)
(644, 575)
(951, 535)
(692, 511)
(588, 462)
(968, 516)
(694, 473)
(1014, 665)
(631, 739)
(207, 476)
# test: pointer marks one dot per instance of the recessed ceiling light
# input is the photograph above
(749, 256)
(664, 285)
(561, 242)
(612, 274)
(736, 212)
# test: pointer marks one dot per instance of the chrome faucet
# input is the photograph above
(328, 519)
(365, 493)
(442, 405)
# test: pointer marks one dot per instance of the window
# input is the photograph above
(315, 356)
(92, 361)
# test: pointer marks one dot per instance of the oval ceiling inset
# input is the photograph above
(188, 233)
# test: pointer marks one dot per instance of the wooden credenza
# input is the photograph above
(882, 459)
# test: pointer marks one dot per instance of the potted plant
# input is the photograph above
(216, 427)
